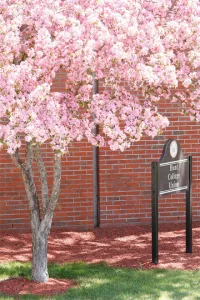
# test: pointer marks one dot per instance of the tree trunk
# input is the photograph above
(40, 228)
(39, 257)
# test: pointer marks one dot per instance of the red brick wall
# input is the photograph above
(125, 180)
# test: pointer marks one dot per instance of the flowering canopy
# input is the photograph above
(141, 50)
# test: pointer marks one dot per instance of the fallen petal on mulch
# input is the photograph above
(23, 286)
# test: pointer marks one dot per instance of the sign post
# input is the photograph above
(155, 212)
(189, 211)
(171, 174)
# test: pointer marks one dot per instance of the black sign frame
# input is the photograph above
(174, 172)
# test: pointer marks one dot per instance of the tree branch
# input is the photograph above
(43, 176)
(46, 222)
(16, 159)
(171, 8)
(31, 191)
(57, 178)
(29, 155)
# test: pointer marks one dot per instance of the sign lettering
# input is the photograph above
(173, 176)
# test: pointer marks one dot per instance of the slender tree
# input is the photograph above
(140, 50)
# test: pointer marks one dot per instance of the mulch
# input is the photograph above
(22, 286)
(125, 246)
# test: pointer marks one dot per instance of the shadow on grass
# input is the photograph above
(100, 282)
(15, 269)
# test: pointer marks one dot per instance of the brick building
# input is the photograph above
(124, 180)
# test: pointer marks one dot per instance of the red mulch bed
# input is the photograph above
(23, 286)
(127, 246)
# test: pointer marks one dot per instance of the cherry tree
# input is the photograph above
(140, 50)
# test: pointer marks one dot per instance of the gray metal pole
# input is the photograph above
(96, 198)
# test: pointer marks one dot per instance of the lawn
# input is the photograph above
(101, 282)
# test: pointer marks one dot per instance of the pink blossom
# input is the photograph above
(140, 50)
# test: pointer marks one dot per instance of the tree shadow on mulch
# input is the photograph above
(125, 246)
(23, 286)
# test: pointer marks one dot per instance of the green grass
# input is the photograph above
(100, 282)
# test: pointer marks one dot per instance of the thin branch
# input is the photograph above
(16, 159)
(43, 176)
(171, 8)
(78, 87)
